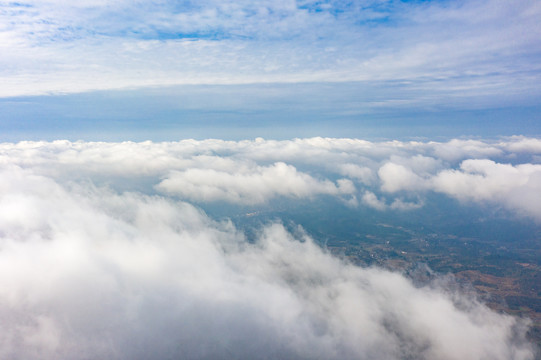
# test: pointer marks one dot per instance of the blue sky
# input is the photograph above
(188, 69)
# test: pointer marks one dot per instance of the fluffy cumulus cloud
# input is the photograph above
(92, 272)
(395, 177)
(370, 199)
(516, 187)
(385, 176)
(255, 186)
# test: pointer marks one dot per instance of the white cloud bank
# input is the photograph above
(516, 187)
(386, 176)
(252, 187)
(88, 272)
(476, 180)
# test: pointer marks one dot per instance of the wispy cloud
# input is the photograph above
(485, 47)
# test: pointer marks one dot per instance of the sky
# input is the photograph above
(167, 70)
(123, 124)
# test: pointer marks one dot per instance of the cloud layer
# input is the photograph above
(385, 176)
(477, 47)
(90, 272)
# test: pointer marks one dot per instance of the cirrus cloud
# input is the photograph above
(483, 49)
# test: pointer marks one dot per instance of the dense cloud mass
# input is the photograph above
(254, 186)
(388, 175)
(98, 261)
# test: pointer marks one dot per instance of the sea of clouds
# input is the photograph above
(105, 252)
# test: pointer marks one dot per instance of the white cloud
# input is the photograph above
(395, 177)
(255, 171)
(515, 187)
(457, 149)
(253, 186)
(100, 274)
(519, 144)
(448, 52)
(370, 199)
(399, 204)
(418, 163)
(361, 173)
